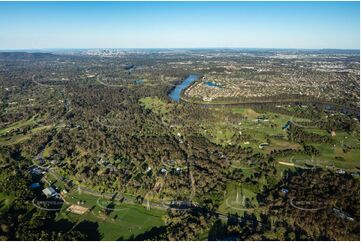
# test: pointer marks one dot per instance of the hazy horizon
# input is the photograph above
(173, 48)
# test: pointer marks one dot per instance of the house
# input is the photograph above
(49, 192)
(102, 161)
(287, 125)
(284, 190)
(340, 171)
(35, 171)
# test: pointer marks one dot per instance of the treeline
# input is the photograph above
(299, 135)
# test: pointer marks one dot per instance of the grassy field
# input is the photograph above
(123, 222)
(328, 152)
(232, 204)
(155, 104)
(9, 137)
(258, 131)
(19, 138)
(17, 125)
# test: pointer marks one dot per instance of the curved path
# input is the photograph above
(305, 209)
(42, 84)
(303, 126)
(45, 209)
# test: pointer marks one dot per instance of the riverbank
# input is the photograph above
(176, 93)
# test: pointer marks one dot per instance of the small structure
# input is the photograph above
(287, 125)
(35, 171)
(102, 161)
(163, 170)
(340, 171)
(49, 192)
(284, 190)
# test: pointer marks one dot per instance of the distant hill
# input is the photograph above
(336, 51)
(24, 56)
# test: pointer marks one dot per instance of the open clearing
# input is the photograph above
(119, 222)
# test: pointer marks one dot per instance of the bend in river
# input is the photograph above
(176, 93)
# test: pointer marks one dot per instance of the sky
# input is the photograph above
(308, 25)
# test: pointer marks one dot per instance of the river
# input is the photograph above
(176, 93)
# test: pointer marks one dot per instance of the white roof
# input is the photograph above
(49, 191)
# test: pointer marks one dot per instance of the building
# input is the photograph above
(35, 171)
(340, 171)
(49, 192)
(284, 190)
(287, 125)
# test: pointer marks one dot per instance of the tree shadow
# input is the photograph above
(90, 229)
(154, 233)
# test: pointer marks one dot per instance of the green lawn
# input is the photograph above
(19, 138)
(328, 152)
(17, 125)
(126, 220)
(233, 205)
(155, 104)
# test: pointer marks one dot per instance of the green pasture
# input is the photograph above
(122, 222)
(232, 204)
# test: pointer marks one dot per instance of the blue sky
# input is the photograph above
(25, 25)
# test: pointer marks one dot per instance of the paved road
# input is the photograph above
(302, 126)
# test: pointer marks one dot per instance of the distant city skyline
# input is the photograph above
(278, 25)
